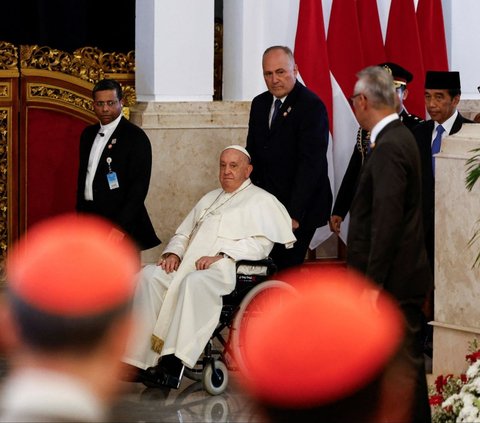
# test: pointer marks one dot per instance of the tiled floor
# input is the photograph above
(190, 403)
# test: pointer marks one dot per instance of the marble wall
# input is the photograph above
(457, 290)
(469, 108)
(186, 141)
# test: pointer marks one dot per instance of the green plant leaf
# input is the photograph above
(473, 174)
(473, 169)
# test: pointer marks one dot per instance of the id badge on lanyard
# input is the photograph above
(112, 176)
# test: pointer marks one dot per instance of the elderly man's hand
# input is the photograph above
(206, 261)
(169, 262)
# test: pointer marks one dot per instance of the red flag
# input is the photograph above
(311, 52)
(370, 32)
(312, 60)
(346, 59)
(402, 46)
(432, 35)
(345, 52)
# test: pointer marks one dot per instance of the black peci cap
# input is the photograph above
(442, 80)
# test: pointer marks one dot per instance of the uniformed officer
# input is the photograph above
(401, 77)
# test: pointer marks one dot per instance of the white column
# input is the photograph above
(249, 27)
(174, 50)
(457, 291)
(462, 18)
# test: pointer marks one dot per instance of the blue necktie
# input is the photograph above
(276, 108)
(437, 142)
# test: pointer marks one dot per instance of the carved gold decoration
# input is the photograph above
(4, 115)
(108, 62)
(8, 56)
(87, 63)
(45, 58)
(129, 96)
(70, 98)
(4, 89)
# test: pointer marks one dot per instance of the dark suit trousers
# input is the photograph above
(413, 351)
(405, 390)
(295, 256)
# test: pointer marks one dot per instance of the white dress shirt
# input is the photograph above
(447, 125)
(96, 152)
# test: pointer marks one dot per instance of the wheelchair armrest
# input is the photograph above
(266, 262)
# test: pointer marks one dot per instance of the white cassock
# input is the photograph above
(178, 312)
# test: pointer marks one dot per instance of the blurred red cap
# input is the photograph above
(69, 266)
(323, 344)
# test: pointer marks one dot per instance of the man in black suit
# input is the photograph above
(114, 169)
(442, 95)
(343, 201)
(385, 237)
(287, 140)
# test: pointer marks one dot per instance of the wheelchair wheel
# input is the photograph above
(251, 308)
(216, 410)
(215, 382)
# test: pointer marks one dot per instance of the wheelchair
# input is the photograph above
(224, 352)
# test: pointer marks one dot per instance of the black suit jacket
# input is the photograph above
(347, 189)
(423, 136)
(385, 237)
(131, 158)
(290, 158)
(345, 194)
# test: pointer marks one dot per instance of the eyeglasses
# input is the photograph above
(109, 103)
(354, 96)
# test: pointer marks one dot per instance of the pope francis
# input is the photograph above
(179, 300)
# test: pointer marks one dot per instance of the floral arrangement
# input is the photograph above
(457, 398)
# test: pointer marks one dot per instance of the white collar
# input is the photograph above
(447, 125)
(282, 99)
(110, 126)
(380, 125)
(244, 185)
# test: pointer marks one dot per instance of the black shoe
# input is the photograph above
(171, 364)
(159, 377)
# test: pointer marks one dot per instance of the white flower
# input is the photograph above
(463, 404)
(472, 371)
(474, 385)
(468, 414)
